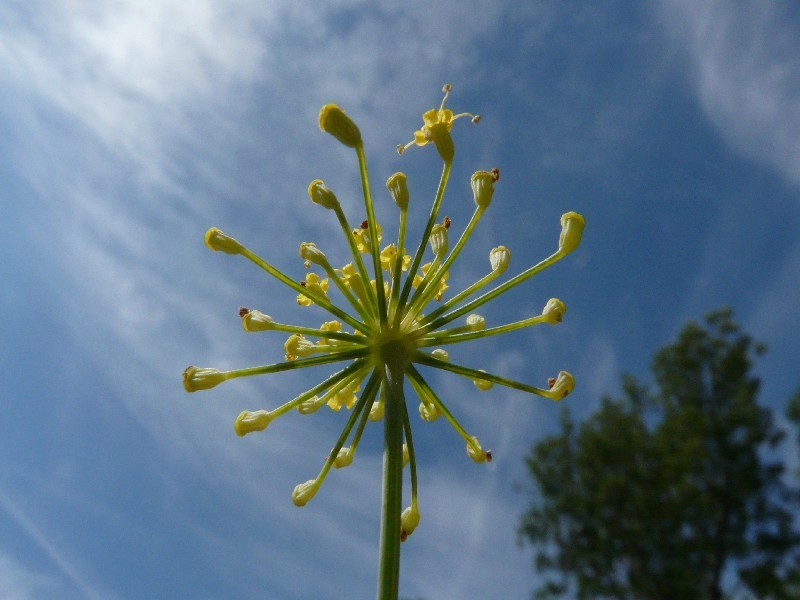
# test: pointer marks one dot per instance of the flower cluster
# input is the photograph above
(399, 313)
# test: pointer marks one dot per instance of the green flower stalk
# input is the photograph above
(391, 329)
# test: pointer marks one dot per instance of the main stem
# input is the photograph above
(389, 561)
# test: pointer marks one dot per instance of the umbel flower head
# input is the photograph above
(389, 315)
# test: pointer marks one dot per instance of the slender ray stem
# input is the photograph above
(398, 265)
(331, 381)
(427, 359)
(348, 233)
(423, 242)
(297, 364)
(373, 232)
(480, 300)
(319, 300)
(445, 337)
(414, 374)
(422, 296)
(311, 332)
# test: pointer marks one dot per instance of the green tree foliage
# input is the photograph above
(667, 494)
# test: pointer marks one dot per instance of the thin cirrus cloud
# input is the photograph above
(125, 85)
(745, 71)
(140, 124)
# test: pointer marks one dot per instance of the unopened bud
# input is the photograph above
(499, 258)
(320, 194)
(248, 422)
(309, 252)
(304, 492)
(571, 230)
(441, 354)
(398, 189)
(482, 188)
(409, 520)
(376, 410)
(343, 459)
(333, 120)
(297, 345)
(438, 240)
(476, 323)
(198, 378)
(307, 407)
(483, 384)
(554, 311)
(219, 242)
(255, 320)
(562, 386)
(428, 412)
(477, 453)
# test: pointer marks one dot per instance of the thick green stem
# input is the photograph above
(389, 561)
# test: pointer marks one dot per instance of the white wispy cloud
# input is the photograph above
(745, 67)
(12, 575)
(21, 583)
(133, 115)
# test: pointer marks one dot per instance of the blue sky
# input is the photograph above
(129, 128)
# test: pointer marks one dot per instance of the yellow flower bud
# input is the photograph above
(482, 188)
(441, 354)
(219, 242)
(571, 229)
(310, 406)
(554, 311)
(310, 253)
(562, 386)
(304, 492)
(409, 520)
(197, 378)
(438, 240)
(499, 258)
(476, 323)
(248, 422)
(482, 384)
(297, 345)
(254, 320)
(398, 189)
(333, 120)
(428, 412)
(320, 194)
(343, 459)
(376, 411)
(477, 453)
